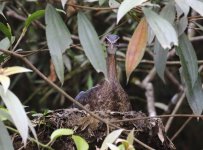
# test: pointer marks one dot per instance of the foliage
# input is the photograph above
(81, 144)
(152, 24)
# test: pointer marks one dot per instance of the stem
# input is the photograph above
(57, 88)
(30, 138)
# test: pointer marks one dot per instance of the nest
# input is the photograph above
(149, 131)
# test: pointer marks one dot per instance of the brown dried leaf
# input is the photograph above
(136, 47)
(52, 74)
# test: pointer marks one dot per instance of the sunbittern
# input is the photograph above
(109, 94)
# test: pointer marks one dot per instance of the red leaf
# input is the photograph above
(136, 47)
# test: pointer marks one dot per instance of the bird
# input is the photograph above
(109, 94)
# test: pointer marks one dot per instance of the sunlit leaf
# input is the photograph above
(91, 44)
(61, 132)
(5, 81)
(58, 39)
(161, 106)
(168, 12)
(124, 143)
(188, 59)
(114, 4)
(101, 2)
(112, 146)
(130, 137)
(111, 138)
(5, 139)
(34, 16)
(151, 36)
(160, 54)
(4, 115)
(163, 30)
(183, 6)
(6, 43)
(89, 81)
(13, 70)
(196, 5)
(6, 30)
(16, 111)
(80, 143)
(126, 6)
(136, 47)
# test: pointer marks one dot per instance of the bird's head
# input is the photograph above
(112, 43)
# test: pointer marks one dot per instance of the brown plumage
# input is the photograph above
(108, 95)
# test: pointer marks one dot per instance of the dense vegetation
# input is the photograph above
(60, 44)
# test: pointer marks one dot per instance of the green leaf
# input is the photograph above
(5, 30)
(5, 82)
(196, 5)
(111, 138)
(182, 25)
(194, 94)
(163, 30)
(80, 143)
(169, 12)
(13, 70)
(101, 2)
(130, 137)
(183, 6)
(58, 39)
(91, 44)
(16, 111)
(188, 59)
(5, 140)
(112, 146)
(4, 115)
(61, 132)
(89, 81)
(126, 6)
(5, 43)
(189, 74)
(160, 56)
(34, 16)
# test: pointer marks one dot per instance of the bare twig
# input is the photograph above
(92, 8)
(170, 120)
(27, 62)
(181, 128)
(159, 116)
(150, 99)
(57, 88)
(143, 144)
(191, 25)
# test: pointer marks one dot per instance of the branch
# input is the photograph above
(57, 88)
(159, 116)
